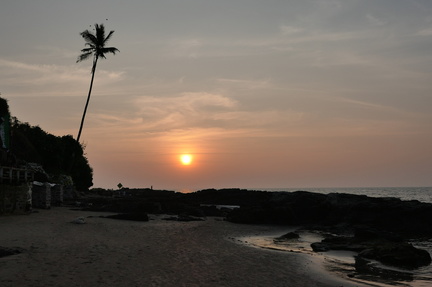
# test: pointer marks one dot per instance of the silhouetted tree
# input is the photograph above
(57, 155)
(97, 49)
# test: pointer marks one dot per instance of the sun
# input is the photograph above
(186, 159)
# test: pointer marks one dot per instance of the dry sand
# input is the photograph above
(108, 252)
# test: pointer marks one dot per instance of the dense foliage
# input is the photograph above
(57, 155)
(4, 130)
(4, 107)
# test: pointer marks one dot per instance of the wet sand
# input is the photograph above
(108, 252)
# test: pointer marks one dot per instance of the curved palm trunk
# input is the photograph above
(88, 97)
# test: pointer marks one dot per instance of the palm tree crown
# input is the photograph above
(96, 43)
(96, 47)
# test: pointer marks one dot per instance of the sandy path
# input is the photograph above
(107, 252)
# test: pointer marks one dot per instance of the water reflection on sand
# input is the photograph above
(342, 263)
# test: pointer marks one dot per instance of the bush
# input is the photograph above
(57, 155)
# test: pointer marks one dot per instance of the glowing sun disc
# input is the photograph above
(186, 159)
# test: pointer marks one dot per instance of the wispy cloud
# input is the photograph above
(201, 114)
(375, 21)
(246, 84)
(188, 109)
(425, 32)
(188, 47)
(52, 79)
(57, 52)
(289, 30)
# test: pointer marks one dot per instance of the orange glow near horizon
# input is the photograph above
(186, 159)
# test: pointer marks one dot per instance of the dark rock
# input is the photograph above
(183, 217)
(306, 208)
(394, 253)
(212, 210)
(320, 247)
(365, 233)
(129, 216)
(339, 243)
(4, 251)
(287, 237)
(407, 219)
(397, 254)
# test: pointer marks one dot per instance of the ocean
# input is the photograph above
(423, 194)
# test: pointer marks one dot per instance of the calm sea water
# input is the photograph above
(423, 194)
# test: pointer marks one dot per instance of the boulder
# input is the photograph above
(5, 251)
(373, 246)
(398, 254)
(138, 216)
(183, 217)
(287, 237)
(79, 220)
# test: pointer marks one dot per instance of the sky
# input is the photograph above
(261, 94)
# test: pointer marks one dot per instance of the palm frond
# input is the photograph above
(89, 37)
(108, 37)
(91, 45)
(101, 52)
(84, 56)
(85, 50)
(100, 32)
(111, 50)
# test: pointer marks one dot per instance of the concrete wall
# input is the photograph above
(15, 199)
(57, 195)
(41, 195)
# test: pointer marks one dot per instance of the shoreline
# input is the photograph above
(339, 263)
(109, 252)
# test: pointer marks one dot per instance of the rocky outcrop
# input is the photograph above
(387, 249)
(407, 218)
(334, 211)
(399, 254)
(287, 237)
(338, 213)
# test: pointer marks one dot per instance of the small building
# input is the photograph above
(15, 190)
(41, 195)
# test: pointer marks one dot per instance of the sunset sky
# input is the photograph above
(261, 94)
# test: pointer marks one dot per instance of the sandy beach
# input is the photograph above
(108, 252)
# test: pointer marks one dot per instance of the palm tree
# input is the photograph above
(97, 49)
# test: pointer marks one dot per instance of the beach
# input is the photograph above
(109, 252)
